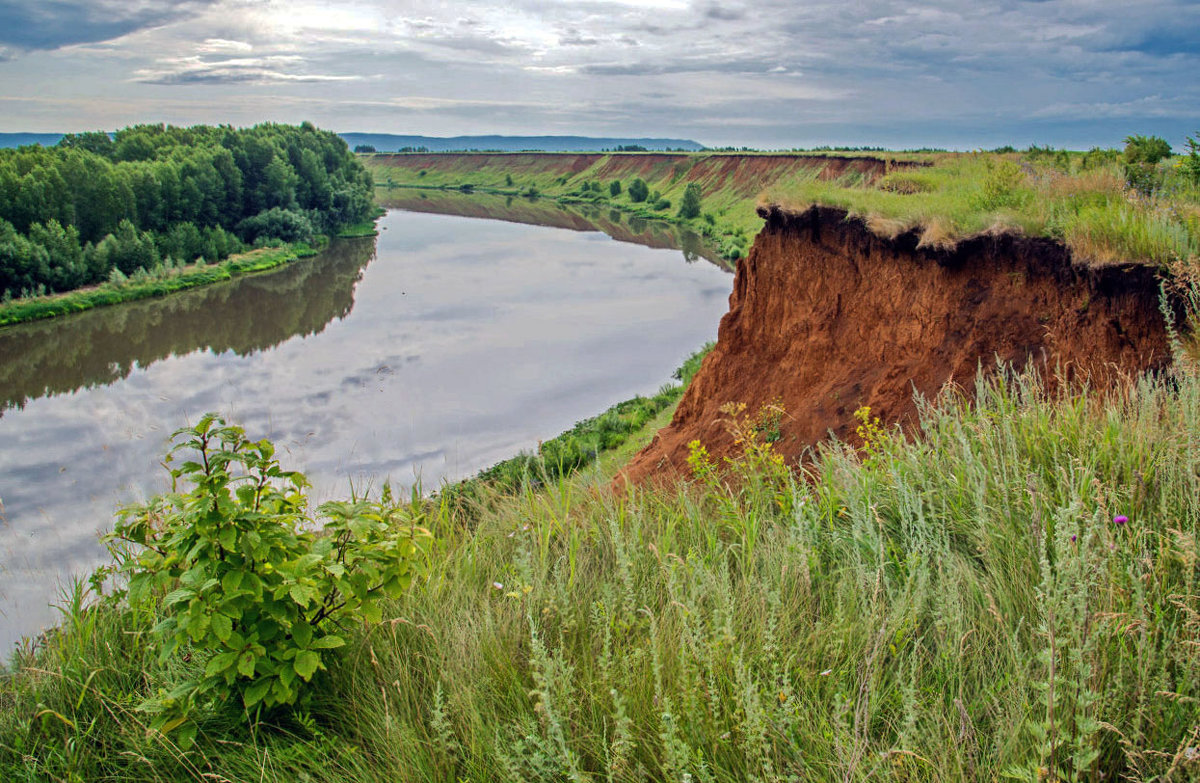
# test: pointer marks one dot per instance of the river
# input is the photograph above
(444, 345)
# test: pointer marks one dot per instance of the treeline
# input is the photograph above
(96, 207)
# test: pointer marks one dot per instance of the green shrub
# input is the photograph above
(1097, 157)
(1146, 149)
(638, 190)
(690, 206)
(1003, 187)
(614, 188)
(287, 225)
(1190, 165)
(243, 582)
(1142, 154)
(662, 203)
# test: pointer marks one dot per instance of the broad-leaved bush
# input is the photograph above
(247, 583)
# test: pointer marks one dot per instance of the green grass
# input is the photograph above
(1089, 210)
(159, 283)
(960, 606)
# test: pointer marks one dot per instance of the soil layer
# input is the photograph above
(826, 317)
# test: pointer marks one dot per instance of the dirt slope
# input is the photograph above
(827, 317)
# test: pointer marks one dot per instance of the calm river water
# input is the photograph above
(446, 345)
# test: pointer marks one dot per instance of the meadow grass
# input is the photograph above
(1010, 593)
(1091, 210)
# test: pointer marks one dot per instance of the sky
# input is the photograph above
(961, 74)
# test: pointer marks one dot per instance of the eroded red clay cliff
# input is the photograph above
(826, 317)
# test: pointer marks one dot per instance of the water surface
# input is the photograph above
(449, 344)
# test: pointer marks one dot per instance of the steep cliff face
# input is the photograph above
(826, 317)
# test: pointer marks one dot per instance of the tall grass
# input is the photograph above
(1010, 594)
(1089, 209)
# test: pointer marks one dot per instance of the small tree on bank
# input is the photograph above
(690, 206)
(638, 190)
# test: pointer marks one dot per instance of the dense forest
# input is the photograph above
(97, 207)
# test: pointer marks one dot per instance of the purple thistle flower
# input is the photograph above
(1073, 539)
(1120, 519)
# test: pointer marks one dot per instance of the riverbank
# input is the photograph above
(159, 283)
(729, 184)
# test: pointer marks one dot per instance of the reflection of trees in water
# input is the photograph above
(544, 212)
(246, 315)
(692, 245)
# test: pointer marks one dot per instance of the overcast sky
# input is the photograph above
(771, 73)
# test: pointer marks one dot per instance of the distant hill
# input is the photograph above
(387, 142)
(23, 139)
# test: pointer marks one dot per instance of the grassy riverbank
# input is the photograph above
(163, 281)
(729, 184)
(1011, 594)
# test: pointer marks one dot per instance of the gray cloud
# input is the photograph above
(774, 73)
(273, 69)
(51, 24)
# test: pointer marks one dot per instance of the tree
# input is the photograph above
(614, 188)
(97, 142)
(638, 190)
(64, 256)
(128, 250)
(276, 223)
(364, 148)
(91, 202)
(690, 206)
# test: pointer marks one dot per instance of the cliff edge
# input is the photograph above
(825, 317)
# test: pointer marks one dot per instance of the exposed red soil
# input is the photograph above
(826, 317)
